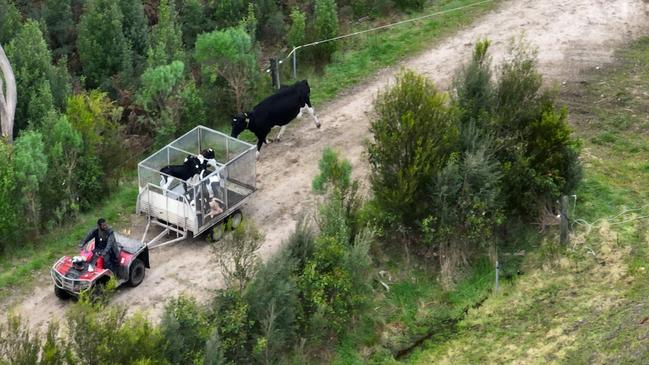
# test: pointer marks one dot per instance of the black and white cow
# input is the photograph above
(192, 166)
(276, 110)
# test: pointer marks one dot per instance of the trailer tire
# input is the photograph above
(215, 233)
(60, 293)
(235, 219)
(136, 273)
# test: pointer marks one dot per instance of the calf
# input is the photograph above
(276, 110)
(192, 166)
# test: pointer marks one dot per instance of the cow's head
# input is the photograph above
(208, 153)
(239, 123)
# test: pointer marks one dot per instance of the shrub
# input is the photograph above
(100, 334)
(535, 145)
(474, 89)
(297, 32)
(467, 201)
(184, 329)
(410, 4)
(415, 131)
(274, 306)
(237, 256)
(11, 220)
(326, 26)
(233, 330)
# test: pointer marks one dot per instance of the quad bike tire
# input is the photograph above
(136, 273)
(60, 293)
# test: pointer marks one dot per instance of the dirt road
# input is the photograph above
(571, 35)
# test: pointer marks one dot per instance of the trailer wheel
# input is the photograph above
(235, 219)
(60, 293)
(136, 273)
(215, 233)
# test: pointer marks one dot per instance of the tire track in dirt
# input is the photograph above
(572, 35)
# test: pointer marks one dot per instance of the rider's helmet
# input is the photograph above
(78, 262)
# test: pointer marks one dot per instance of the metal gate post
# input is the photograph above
(274, 73)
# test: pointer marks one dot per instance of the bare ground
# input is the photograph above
(571, 35)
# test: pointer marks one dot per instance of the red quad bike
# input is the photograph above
(74, 275)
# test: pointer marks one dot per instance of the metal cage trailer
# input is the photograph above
(188, 207)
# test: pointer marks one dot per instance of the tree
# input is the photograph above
(135, 30)
(474, 89)
(185, 330)
(193, 20)
(63, 148)
(103, 48)
(162, 100)
(326, 26)
(166, 43)
(32, 65)
(227, 13)
(61, 30)
(9, 21)
(414, 133)
(30, 166)
(10, 217)
(7, 97)
(535, 146)
(297, 32)
(95, 117)
(228, 53)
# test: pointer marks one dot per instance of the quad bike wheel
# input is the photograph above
(136, 273)
(215, 233)
(60, 293)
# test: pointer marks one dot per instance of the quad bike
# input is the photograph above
(74, 275)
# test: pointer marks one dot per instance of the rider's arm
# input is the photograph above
(110, 244)
(89, 237)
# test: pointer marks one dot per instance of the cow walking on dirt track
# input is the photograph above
(276, 110)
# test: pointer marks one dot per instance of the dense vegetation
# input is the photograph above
(452, 155)
(98, 78)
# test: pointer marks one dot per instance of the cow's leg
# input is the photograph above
(170, 179)
(280, 134)
(260, 142)
(311, 112)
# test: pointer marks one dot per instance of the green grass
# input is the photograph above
(586, 303)
(22, 265)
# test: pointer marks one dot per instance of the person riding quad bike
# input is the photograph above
(106, 251)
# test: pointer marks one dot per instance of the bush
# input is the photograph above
(534, 142)
(232, 335)
(415, 131)
(468, 207)
(297, 32)
(11, 219)
(237, 256)
(185, 330)
(274, 306)
(410, 4)
(474, 89)
(326, 26)
(100, 334)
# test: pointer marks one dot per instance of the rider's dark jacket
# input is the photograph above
(105, 244)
